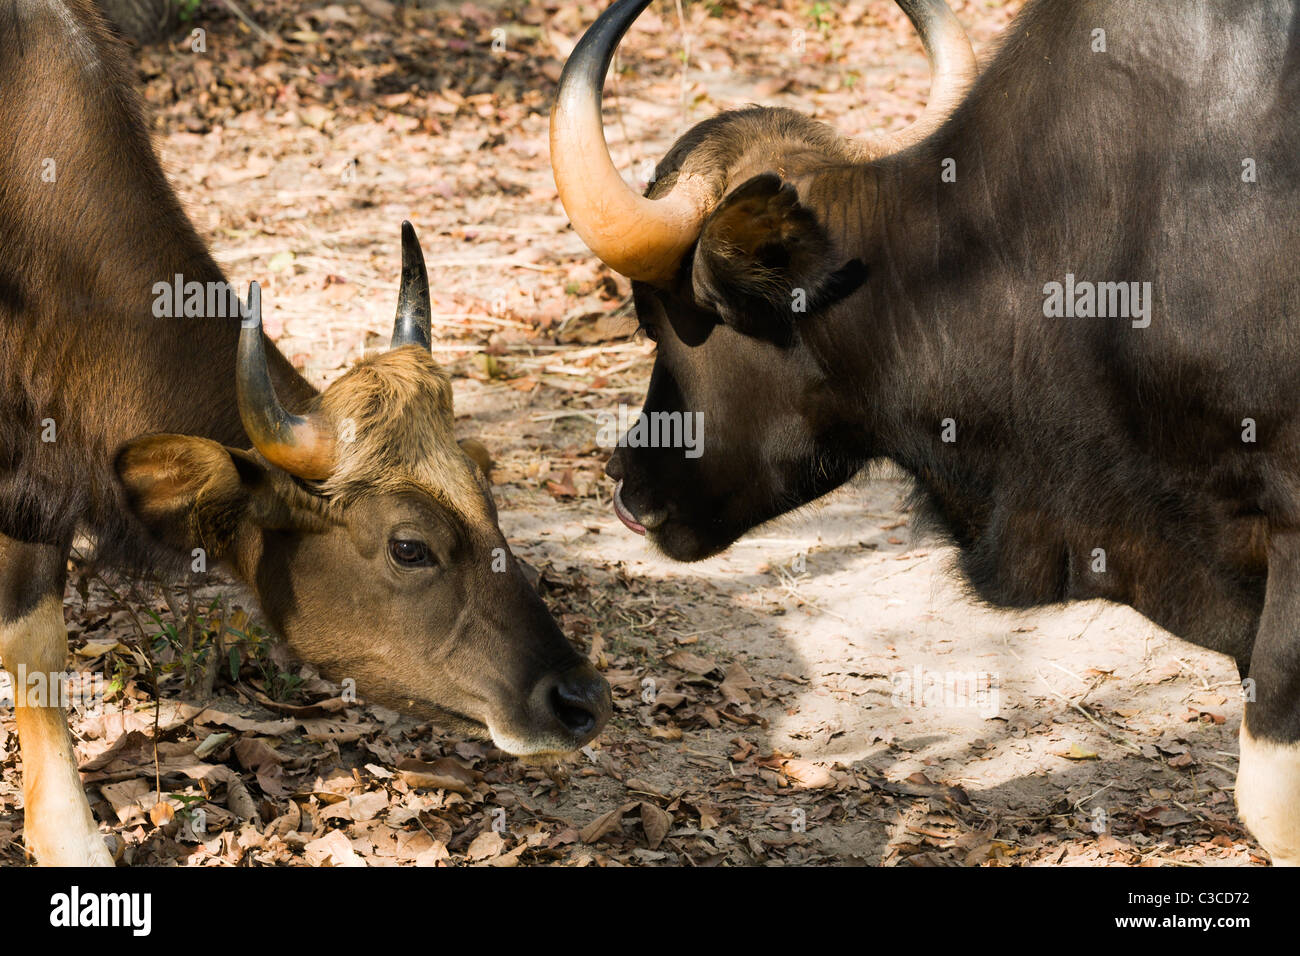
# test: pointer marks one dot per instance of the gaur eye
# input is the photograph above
(649, 332)
(410, 553)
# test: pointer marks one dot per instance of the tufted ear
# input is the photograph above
(763, 260)
(195, 493)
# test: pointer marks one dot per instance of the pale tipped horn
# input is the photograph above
(641, 238)
(301, 446)
(952, 69)
(414, 311)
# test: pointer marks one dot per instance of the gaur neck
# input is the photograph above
(934, 374)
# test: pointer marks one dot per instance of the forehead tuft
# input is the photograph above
(394, 414)
(730, 147)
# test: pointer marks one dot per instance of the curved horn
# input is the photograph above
(641, 238)
(952, 68)
(301, 446)
(412, 325)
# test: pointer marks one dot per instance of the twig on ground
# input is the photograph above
(249, 22)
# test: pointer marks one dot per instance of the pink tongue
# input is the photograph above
(624, 515)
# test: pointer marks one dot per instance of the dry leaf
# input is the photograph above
(656, 823)
(333, 849)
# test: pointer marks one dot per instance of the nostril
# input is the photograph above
(573, 709)
(571, 705)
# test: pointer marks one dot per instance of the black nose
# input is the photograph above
(579, 699)
(614, 467)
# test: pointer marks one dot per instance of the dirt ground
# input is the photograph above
(822, 693)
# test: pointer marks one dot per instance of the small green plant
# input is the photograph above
(280, 684)
(189, 804)
(820, 14)
(188, 9)
(203, 644)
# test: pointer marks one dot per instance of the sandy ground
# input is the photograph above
(878, 657)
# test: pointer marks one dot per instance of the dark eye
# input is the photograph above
(410, 553)
(649, 332)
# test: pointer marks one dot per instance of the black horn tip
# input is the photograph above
(252, 317)
(412, 253)
(414, 309)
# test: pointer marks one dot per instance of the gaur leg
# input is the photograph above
(1268, 779)
(59, 827)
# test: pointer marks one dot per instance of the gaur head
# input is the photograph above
(369, 537)
(737, 251)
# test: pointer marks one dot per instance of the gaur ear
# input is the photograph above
(478, 454)
(763, 260)
(194, 493)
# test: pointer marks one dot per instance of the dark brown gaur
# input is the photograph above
(821, 302)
